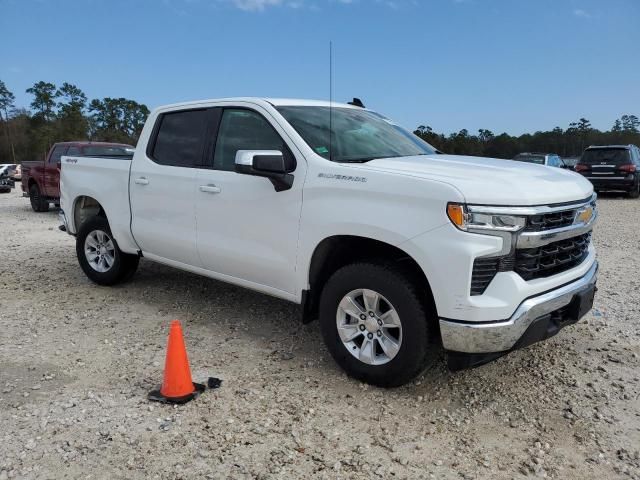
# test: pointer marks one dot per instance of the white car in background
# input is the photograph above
(547, 159)
(7, 171)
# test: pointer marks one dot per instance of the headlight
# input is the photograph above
(465, 218)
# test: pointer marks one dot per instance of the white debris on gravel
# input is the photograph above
(77, 360)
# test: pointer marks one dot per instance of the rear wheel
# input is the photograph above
(99, 255)
(635, 193)
(375, 325)
(38, 202)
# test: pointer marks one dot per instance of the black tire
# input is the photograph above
(124, 265)
(635, 193)
(416, 350)
(38, 203)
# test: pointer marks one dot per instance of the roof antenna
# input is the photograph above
(330, 100)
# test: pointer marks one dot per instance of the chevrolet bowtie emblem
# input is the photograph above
(584, 215)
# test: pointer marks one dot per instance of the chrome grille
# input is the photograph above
(534, 253)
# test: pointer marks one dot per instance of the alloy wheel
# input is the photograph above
(369, 326)
(100, 251)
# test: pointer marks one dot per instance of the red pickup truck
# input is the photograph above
(41, 179)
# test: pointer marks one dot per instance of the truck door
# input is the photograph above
(162, 186)
(247, 230)
(51, 172)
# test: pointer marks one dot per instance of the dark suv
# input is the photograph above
(612, 167)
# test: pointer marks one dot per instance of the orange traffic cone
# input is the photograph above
(177, 386)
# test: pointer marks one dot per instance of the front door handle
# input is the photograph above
(141, 181)
(210, 189)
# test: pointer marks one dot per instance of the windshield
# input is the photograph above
(539, 159)
(604, 156)
(356, 135)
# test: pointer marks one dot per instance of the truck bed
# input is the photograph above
(78, 179)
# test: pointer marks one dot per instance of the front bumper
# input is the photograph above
(472, 343)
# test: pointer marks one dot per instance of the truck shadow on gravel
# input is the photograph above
(270, 322)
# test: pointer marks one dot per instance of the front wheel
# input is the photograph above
(375, 325)
(99, 255)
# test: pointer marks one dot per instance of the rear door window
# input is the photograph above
(606, 156)
(180, 138)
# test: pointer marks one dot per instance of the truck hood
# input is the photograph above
(492, 181)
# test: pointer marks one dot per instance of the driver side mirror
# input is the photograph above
(265, 163)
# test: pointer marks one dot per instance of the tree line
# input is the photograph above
(59, 114)
(566, 143)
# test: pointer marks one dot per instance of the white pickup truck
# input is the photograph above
(397, 249)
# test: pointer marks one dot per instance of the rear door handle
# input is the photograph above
(210, 189)
(141, 181)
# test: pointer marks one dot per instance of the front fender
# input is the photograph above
(390, 208)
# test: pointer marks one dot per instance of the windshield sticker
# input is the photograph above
(343, 177)
(322, 150)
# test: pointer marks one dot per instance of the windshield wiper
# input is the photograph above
(367, 159)
(357, 160)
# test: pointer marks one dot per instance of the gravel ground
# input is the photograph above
(77, 360)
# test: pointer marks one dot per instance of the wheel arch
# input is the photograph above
(85, 207)
(336, 251)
